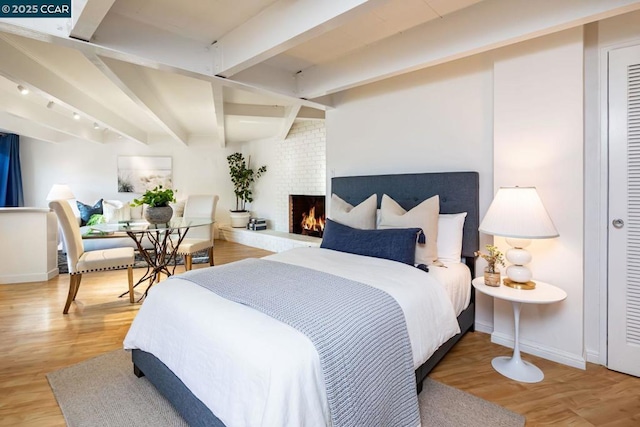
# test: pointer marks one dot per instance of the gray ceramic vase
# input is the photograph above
(158, 214)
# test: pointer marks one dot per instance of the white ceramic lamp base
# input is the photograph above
(518, 273)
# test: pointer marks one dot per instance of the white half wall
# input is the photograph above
(433, 120)
(538, 141)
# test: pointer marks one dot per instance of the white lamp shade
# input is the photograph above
(60, 192)
(518, 212)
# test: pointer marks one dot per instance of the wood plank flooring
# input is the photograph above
(35, 338)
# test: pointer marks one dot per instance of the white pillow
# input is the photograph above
(424, 216)
(112, 210)
(450, 228)
(362, 216)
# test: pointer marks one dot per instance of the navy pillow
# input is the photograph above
(396, 244)
(86, 211)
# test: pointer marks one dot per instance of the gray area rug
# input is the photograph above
(104, 392)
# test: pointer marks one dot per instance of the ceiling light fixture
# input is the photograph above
(23, 90)
(76, 116)
(50, 104)
(96, 126)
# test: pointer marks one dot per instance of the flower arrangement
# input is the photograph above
(493, 257)
(242, 176)
(157, 197)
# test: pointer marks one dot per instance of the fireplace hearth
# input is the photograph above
(306, 215)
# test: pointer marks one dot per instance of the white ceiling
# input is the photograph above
(227, 71)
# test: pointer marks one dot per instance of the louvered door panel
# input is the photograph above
(624, 204)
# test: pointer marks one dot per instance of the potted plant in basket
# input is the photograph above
(242, 176)
(491, 272)
(157, 201)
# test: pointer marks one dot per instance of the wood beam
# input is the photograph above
(484, 26)
(16, 106)
(291, 112)
(130, 81)
(217, 93)
(87, 16)
(26, 127)
(20, 67)
(281, 26)
(253, 110)
(124, 49)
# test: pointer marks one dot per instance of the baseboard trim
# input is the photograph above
(536, 349)
(483, 327)
(25, 278)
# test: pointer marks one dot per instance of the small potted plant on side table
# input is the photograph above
(242, 176)
(491, 272)
(157, 200)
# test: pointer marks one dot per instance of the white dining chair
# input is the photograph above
(80, 261)
(198, 238)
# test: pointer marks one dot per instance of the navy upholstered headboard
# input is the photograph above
(458, 191)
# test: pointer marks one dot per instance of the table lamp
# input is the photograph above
(518, 214)
(60, 192)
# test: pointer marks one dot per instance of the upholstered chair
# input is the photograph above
(80, 262)
(198, 238)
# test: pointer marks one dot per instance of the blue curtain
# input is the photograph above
(10, 175)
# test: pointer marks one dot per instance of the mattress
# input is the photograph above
(252, 370)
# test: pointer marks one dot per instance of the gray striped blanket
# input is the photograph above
(359, 332)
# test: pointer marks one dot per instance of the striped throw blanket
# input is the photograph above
(359, 332)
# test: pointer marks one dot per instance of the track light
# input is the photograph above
(23, 90)
(96, 126)
(76, 116)
(50, 104)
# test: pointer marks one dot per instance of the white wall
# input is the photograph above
(90, 169)
(538, 141)
(438, 119)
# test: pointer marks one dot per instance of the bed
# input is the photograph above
(458, 192)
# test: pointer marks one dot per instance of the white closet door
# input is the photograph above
(624, 211)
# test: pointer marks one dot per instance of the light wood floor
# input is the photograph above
(35, 338)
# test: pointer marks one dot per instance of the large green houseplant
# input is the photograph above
(157, 200)
(242, 177)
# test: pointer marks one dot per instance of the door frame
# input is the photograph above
(596, 252)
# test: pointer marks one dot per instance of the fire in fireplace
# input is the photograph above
(306, 215)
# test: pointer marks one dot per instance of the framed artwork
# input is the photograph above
(137, 174)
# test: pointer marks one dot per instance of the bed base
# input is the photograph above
(198, 414)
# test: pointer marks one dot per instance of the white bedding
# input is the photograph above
(252, 370)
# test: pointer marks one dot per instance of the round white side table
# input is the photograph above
(514, 367)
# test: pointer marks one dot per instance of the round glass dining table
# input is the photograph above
(164, 239)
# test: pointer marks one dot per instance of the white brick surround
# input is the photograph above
(300, 166)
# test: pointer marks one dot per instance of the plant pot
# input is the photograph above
(158, 214)
(240, 219)
(491, 279)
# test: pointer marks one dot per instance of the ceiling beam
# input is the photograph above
(253, 110)
(26, 127)
(49, 118)
(484, 26)
(129, 80)
(217, 92)
(279, 27)
(126, 35)
(291, 112)
(86, 17)
(167, 52)
(20, 67)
